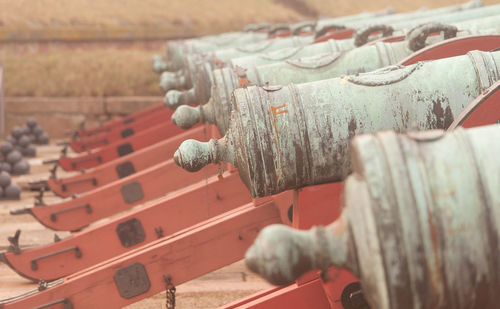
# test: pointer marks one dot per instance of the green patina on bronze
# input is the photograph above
(420, 227)
(283, 138)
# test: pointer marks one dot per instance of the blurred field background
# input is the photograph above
(80, 67)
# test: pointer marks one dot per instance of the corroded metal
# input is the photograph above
(323, 66)
(199, 70)
(420, 227)
(159, 64)
(260, 27)
(204, 74)
(177, 50)
(284, 138)
(199, 66)
(389, 19)
(171, 80)
(361, 35)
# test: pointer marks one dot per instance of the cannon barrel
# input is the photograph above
(283, 138)
(403, 17)
(205, 72)
(307, 69)
(420, 227)
(200, 70)
(178, 50)
(198, 66)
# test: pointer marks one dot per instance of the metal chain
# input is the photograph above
(169, 292)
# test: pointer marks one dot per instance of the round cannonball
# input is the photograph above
(32, 138)
(4, 179)
(6, 167)
(14, 156)
(26, 130)
(31, 122)
(24, 141)
(21, 168)
(11, 140)
(29, 151)
(43, 139)
(12, 192)
(37, 130)
(5, 148)
(17, 132)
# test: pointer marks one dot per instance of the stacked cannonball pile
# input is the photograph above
(13, 162)
(19, 144)
(30, 133)
(21, 141)
(35, 133)
(8, 190)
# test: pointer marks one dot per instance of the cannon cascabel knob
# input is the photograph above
(171, 98)
(187, 116)
(170, 80)
(159, 64)
(193, 155)
(176, 98)
(282, 254)
(414, 216)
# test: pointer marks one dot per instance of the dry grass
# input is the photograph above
(120, 72)
(99, 72)
(201, 16)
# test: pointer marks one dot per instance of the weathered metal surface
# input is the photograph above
(455, 17)
(484, 110)
(177, 80)
(159, 64)
(288, 137)
(203, 75)
(417, 38)
(389, 19)
(455, 47)
(420, 227)
(178, 50)
(361, 36)
(200, 68)
(323, 66)
(175, 98)
(260, 27)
